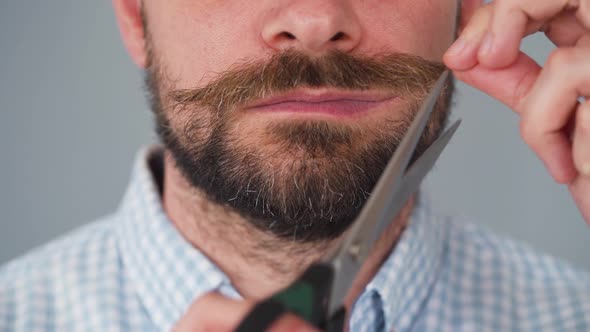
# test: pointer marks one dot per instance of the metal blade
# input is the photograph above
(415, 174)
(373, 212)
(358, 240)
(347, 266)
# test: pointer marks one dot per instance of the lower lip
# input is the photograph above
(334, 107)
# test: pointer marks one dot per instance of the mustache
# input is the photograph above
(250, 80)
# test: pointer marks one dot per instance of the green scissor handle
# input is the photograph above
(308, 298)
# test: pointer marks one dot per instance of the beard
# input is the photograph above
(299, 180)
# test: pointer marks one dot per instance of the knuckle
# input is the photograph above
(523, 87)
(560, 59)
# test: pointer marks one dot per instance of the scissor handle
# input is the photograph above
(308, 298)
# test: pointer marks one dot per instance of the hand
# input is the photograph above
(216, 313)
(552, 120)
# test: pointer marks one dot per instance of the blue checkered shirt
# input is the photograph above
(133, 271)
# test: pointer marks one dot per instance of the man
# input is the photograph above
(277, 118)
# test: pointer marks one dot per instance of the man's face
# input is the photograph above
(288, 111)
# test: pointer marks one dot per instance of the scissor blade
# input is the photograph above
(414, 176)
(373, 212)
(347, 268)
(360, 236)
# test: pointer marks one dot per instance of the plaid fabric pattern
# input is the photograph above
(133, 271)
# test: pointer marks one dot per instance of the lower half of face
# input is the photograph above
(295, 150)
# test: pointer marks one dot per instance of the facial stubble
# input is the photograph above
(302, 181)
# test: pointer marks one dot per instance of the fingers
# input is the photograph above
(291, 323)
(502, 37)
(513, 20)
(565, 30)
(468, 8)
(581, 141)
(551, 104)
(546, 100)
(493, 35)
(553, 123)
(509, 85)
(462, 55)
(583, 13)
(584, 41)
(213, 312)
(579, 190)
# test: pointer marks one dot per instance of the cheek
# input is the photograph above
(421, 27)
(439, 32)
(195, 43)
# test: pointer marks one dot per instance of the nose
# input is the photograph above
(312, 26)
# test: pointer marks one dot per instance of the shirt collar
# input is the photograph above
(168, 273)
(406, 278)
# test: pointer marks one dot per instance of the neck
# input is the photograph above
(257, 263)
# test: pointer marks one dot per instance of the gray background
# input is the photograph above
(73, 114)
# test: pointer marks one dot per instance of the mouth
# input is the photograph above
(323, 102)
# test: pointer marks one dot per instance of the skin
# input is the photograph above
(197, 38)
(552, 121)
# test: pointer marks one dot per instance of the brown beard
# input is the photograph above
(304, 181)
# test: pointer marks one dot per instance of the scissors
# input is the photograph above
(318, 294)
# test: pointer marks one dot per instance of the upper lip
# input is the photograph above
(321, 96)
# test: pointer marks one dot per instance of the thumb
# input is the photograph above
(510, 85)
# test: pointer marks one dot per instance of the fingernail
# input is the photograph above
(457, 47)
(487, 44)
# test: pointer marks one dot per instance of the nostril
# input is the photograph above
(288, 35)
(337, 36)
